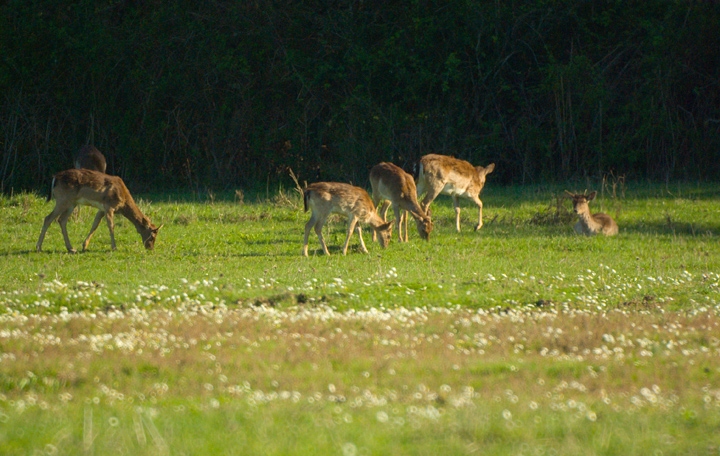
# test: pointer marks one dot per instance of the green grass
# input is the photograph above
(521, 338)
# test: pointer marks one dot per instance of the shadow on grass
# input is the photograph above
(272, 241)
(45, 252)
(62, 251)
(262, 254)
(10, 253)
(334, 250)
(673, 228)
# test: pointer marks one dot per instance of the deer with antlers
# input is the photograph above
(324, 198)
(451, 176)
(397, 188)
(591, 224)
(106, 193)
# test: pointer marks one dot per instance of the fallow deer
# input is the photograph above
(106, 193)
(90, 158)
(390, 183)
(324, 198)
(451, 176)
(591, 224)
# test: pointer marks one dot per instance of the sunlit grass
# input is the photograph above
(521, 338)
(506, 378)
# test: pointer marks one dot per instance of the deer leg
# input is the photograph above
(62, 220)
(398, 221)
(308, 226)
(430, 196)
(98, 218)
(579, 228)
(109, 216)
(376, 200)
(480, 207)
(352, 221)
(46, 224)
(318, 230)
(404, 216)
(362, 243)
(382, 210)
(456, 203)
(385, 206)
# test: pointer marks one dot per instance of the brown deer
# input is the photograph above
(591, 224)
(397, 188)
(90, 158)
(354, 202)
(451, 176)
(107, 193)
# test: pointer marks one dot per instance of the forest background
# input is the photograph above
(225, 94)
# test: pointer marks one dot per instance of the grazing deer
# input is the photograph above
(591, 224)
(90, 158)
(107, 193)
(354, 202)
(451, 176)
(390, 183)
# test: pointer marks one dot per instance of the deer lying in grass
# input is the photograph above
(390, 183)
(90, 158)
(354, 202)
(107, 193)
(591, 224)
(451, 176)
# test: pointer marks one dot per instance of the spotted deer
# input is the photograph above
(397, 188)
(106, 193)
(591, 224)
(324, 198)
(451, 176)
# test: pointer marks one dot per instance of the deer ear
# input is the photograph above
(489, 168)
(158, 228)
(591, 196)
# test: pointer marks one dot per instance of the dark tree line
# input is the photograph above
(221, 94)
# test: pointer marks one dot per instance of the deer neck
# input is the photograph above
(588, 222)
(131, 212)
(375, 221)
(417, 213)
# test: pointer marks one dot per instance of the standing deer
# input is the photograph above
(107, 193)
(90, 158)
(390, 183)
(451, 176)
(591, 224)
(354, 202)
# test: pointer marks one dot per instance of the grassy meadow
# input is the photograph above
(521, 338)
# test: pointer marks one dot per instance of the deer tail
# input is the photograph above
(49, 197)
(306, 193)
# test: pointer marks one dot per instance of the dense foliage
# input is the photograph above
(224, 94)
